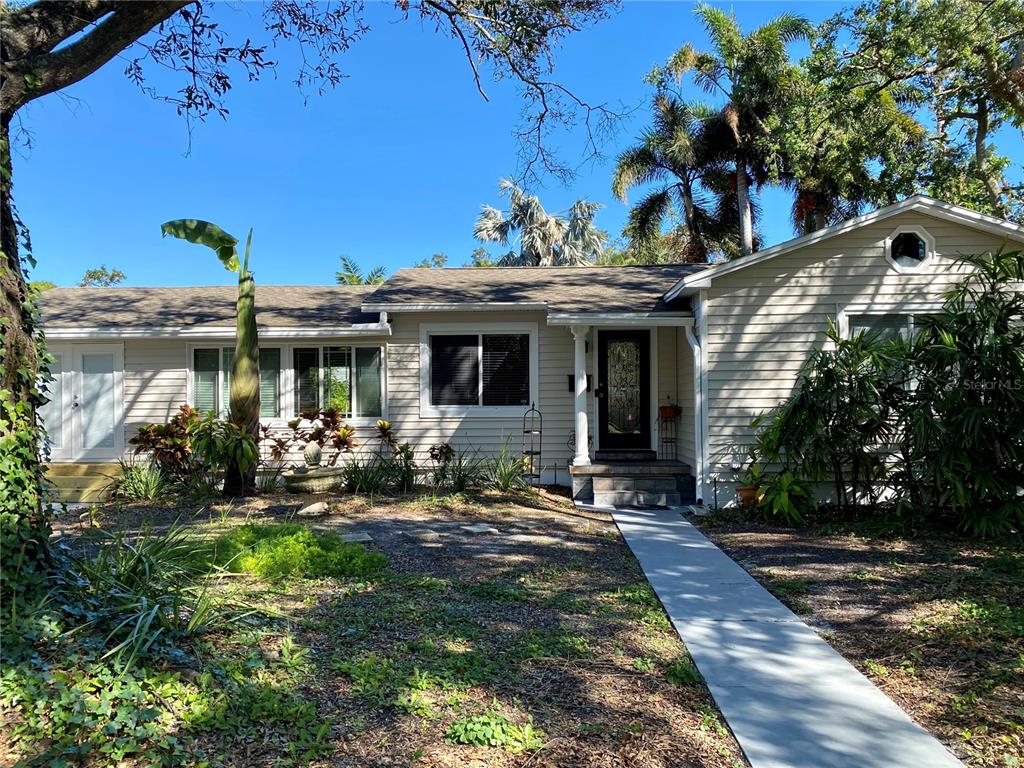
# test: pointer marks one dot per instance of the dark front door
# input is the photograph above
(624, 390)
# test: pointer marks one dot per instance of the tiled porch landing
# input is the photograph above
(633, 484)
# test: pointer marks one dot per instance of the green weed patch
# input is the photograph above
(279, 550)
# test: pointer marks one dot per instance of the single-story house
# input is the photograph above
(646, 378)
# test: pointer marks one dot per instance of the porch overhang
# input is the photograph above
(639, 319)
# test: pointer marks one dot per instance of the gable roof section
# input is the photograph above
(581, 290)
(203, 310)
(917, 203)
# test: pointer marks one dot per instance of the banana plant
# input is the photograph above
(244, 407)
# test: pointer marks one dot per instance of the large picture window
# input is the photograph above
(478, 370)
(296, 380)
(347, 379)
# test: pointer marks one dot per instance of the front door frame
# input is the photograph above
(652, 333)
(70, 406)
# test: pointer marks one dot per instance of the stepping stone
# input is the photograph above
(527, 525)
(423, 534)
(316, 509)
(479, 528)
(358, 537)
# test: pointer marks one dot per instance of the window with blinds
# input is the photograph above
(211, 381)
(205, 375)
(505, 369)
(480, 369)
(455, 370)
(352, 380)
(306, 363)
(347, 378)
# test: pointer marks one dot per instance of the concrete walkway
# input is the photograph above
(790, 699)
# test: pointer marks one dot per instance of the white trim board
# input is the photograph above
(463, 306)
(917, 203)
(216, 332)
(620, 319)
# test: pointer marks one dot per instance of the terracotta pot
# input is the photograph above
(747, 495)
(668, 411)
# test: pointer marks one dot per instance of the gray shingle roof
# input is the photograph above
(561, 289)
(196, 307)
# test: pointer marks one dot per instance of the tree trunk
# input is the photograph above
(698, 248)
(743, 201)
(992, 185)
(24, 528)
(245, 378)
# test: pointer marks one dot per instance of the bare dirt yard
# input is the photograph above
(531, 639)
(937, 624)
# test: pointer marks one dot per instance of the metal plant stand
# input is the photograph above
(533, 428)
(668, 440)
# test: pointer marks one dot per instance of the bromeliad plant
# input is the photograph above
(324, 427)
(245, 370)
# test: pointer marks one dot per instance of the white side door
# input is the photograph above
(97, 402)
(56, 414)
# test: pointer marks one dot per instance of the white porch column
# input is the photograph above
(582, 457)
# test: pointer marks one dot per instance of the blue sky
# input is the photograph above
(388, 168)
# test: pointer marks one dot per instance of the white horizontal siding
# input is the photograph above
(485, 435)
(765, 320)
(155, 382)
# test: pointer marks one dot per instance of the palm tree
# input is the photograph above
(545, 240)
(351, 274)
(675, 152)
(750, 71)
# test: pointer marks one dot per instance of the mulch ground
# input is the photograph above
(938, 625)
(549, 622)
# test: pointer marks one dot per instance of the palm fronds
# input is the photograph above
(544, 239)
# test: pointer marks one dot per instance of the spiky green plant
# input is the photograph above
(245, 370)
(352, 274)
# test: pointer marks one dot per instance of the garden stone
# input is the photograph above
(358, 537)
(479, 528)
(527, 525)
(423, 534)
(316, 509)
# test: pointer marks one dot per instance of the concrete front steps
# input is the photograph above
(83, 482)
(633, 484)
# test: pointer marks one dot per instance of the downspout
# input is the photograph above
(698, 413)
(701, 314)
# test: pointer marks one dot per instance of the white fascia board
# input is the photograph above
(216, 332)
(464, 306)
(646, 319)
(921, 203)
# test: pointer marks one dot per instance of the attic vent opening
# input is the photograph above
(909, 248)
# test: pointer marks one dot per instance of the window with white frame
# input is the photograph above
(908, 248)
(348, 379)
(884, 325)
(211, 380)
(296, 380)
(489, 369)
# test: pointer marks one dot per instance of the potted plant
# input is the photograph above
(748, 492)
(670, 410)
